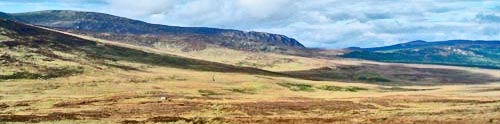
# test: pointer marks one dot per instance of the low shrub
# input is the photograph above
(208, 93)
(45, 74)
(343, 89)
(297, 86)
(244, 90)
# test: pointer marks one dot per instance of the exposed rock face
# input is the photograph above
(137, 32)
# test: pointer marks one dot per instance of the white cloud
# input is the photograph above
(324, 23)
(140, 8)
(262, 9)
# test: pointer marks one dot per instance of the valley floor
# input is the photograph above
(128, 86)
(169, 95)
(161, 74)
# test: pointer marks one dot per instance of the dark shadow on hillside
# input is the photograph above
(393, 75)
(45, 40)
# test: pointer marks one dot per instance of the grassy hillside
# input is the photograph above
(394, 75)
(484, 54)
(327, 69)
(51, 77)
(29, 52)
(136, 32)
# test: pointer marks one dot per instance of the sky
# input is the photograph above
(315, 23)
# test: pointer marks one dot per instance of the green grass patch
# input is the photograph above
(404, 89)
(297, 86)
(208, 93)
(373, 79)
(45, 74)
(244, 90)
(342, 89)
(353, 89)
(4, 38)
(310, 88)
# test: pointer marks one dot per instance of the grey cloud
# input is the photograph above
(481, 17)
(378, 15)
(337, 23)
(324, 23)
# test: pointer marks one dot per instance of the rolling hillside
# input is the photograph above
(49, 76)
(29, 53)
(135, 32)
(484, 54)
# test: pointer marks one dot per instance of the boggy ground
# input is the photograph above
(170, 95)
(49, 77)
(386, 109)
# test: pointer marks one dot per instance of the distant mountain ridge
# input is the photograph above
(131, 31)
(485, 54)
(421, 43)
(4, 15)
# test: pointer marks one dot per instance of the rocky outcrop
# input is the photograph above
(116, 28)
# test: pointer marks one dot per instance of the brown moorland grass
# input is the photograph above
(136, 97)
(153, 93)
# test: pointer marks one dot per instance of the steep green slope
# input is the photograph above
(31, 52)
(485, 54)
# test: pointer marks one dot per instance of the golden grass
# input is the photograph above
(160, 94)
(148, 86)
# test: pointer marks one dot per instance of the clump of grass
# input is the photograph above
(4, 38)
(374, 79)
(136, 80)
(208, 93)
(4, 106)
(21, 75)
(248, 64)
(497, 108)
(48, 86)
(403, 89)
(245, 90)
(343, 89)
(176, 78)
(331, 88)
(64, 71)
(310, 88)
(297, 86)
(353, 89)
(46, 74)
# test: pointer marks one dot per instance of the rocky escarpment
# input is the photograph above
(141, 33)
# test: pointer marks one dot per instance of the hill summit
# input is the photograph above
(136, 32)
